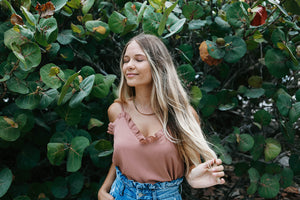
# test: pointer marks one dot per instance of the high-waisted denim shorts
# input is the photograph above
(126, 189)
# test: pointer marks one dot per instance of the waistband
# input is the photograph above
(156, 186)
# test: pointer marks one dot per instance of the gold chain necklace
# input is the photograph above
(147, 114)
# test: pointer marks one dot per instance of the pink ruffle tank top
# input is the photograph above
(144, 159)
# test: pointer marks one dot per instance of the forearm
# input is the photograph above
(111, 175)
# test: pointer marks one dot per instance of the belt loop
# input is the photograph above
(154, 194)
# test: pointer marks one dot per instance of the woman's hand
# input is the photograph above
(103, 195)
(206, 174)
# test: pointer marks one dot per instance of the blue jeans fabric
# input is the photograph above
(125, 189)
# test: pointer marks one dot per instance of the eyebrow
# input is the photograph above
(136, 55)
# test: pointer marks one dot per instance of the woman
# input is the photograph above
(157, 134)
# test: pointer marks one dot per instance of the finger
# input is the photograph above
(218, 168)
(219, 174)
(220, 181)
(209, 164)
(218, 161)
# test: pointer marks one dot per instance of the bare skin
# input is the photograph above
(137, 72)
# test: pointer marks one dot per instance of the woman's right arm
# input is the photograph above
(103, 193)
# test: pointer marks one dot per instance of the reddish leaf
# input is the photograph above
(45, 10)
(260, 17)
(16, 19)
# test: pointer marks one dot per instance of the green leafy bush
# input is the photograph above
(59, 73)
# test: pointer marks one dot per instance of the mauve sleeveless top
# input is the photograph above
(144, 159)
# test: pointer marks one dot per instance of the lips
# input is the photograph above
(129, 75)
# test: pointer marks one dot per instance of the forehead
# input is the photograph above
(134, 48)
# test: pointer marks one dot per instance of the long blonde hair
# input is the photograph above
(170, 102)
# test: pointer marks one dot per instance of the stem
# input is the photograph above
(59, 78)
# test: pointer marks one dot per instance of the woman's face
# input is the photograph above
(136, 67)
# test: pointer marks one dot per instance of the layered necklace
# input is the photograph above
(146, 114)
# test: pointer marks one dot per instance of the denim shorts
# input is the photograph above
(126, 189)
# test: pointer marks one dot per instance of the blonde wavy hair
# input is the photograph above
(170, 102)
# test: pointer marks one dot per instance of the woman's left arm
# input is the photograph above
(206, 174)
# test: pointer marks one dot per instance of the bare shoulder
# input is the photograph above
(114, 110)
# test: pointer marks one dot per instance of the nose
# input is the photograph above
(129, 65)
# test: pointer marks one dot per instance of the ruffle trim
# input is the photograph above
(132, 126)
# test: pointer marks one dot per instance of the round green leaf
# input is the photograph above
(13, 37)
(294, 113)
(71, 115)
(253, 175)
(28, 158)
(52, 52)
(51, 81)
(283, 104)
(208, 104)
(210, 83)
(6, 178)
(59, 188)
(75, 182)
(263, 117)
(29, 54)
(87, 5)
(292, 6)
(254, 93)
(186, 73)
(66, 87)
(46, 31)
(235, 50)
(269, 186)
(56, 153)
(278, 36)
(48, 97)
(117, 22)
(196, 95)
(151, 21)
(86, 71)
(237, 14)
(252, 188)
(214, 51)
(287, 176)
(65, 37)
(196, 24)
(272, 149)
(246, 142)
(258, 147)
(29, 101)
(85, 89)
(192, 11)
(276, 63)
(101, 162)
(94, 123)
(92, 24)
(102, 85)
(17, 85)
(29, 17)
(76, 150)
(103, 145)
(59, 4)
(175, 28)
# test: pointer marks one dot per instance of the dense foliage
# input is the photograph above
(59, 72)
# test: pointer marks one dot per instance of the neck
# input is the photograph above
(143, 96)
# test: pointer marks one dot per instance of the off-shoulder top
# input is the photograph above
(144, 159)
